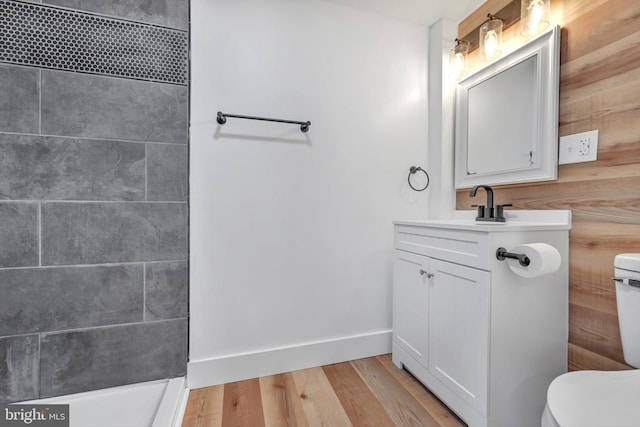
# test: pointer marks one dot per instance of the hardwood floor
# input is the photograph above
(365, 392)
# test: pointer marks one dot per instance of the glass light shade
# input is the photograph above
(534, 16)
(457, 57)
(491, 39)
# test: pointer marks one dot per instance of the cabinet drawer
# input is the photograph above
(461, 247)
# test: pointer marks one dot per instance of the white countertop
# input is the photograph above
(517, 220)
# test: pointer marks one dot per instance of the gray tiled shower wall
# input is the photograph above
(93, 222)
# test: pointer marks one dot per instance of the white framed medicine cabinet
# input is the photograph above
(507, 117)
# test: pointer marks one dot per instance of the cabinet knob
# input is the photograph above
(423, 272)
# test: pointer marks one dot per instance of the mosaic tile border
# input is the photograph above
(48, 37)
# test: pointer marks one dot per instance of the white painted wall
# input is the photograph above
(291, 233)
(442, 89)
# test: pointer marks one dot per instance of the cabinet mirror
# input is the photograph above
(507, 117)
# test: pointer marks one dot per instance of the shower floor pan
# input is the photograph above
(155, 404)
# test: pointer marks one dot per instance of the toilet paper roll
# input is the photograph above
(545, 259)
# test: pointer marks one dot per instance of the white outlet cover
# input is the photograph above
(579, 147)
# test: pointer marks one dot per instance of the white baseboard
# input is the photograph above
(238, 367)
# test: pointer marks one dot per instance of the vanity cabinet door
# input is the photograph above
(410, 304)
(459, 330)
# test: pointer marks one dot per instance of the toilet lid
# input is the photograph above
(596, 398)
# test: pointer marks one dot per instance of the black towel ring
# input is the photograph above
(413, 170)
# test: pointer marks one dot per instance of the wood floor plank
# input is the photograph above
(280, 402)
(368, 392)
(319, 402)
(242, 404)
(581, 358)
(204, 408)
(431, 403)
(401, 406)
(357, 399)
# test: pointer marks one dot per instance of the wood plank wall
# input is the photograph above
(599, 89)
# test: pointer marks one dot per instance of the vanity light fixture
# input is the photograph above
(491, 38)
(457, 57)
(534, 16)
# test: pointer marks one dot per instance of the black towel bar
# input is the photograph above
(222, 119)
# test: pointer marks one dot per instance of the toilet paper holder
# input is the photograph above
(523, 259)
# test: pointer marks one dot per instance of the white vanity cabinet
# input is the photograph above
(486, 341)
(441, 320)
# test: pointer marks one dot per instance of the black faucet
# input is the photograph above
(487, 214)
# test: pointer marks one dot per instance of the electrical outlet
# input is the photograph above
(583, 147)
(579, 147)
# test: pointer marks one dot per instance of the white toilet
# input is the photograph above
(605, 398)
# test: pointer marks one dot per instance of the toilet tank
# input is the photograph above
(627, 271)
